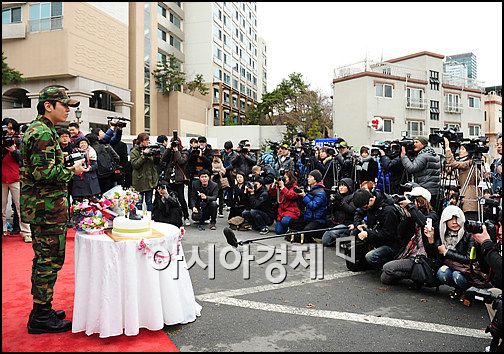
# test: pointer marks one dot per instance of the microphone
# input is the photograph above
(230, 237)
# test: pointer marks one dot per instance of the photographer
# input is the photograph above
(424, 237)
(244, 159)
(167, 208)
(285, 161)
(260, 213)
(219, 172)
(380, 231)
(345, 159)
(112, 136)
(145, 176)
(282, 189)
(200, 158)
(325, 163)
(228, 154)
(390, 161)
(496, 168)
(366, 167)
(425, 167)
(239, 199)
(86, 185)
(204, 193)
(458, 270)
(75, 132)
(341, 212)
(315, 201)
(175, 159)
(266, 172)
(10, 176)
(463, 164)
(162, 143)
(107, 160)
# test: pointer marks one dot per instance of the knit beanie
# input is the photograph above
(317, 175)
(422, 139)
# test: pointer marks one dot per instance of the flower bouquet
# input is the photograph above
(125, 200)
(93, 225)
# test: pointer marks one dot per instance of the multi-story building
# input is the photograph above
(221, 43)
(469, 60)
(411, 96)
(108, 52)
(493, 116)
(82, 46)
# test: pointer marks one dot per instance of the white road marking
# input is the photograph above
(226, 298)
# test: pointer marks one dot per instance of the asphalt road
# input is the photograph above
(344, 311)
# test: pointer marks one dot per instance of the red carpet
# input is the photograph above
(17, 303)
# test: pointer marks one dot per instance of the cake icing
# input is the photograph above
(124, 227)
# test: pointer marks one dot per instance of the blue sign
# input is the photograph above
(322, 142)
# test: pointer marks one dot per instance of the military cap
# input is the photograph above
(56, 93)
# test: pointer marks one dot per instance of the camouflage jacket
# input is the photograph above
(43, 176)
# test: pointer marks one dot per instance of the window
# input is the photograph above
(452, 103)
(217, 33)
(235, 84)
(415, 128)
(45, 16)
(383, 90)
(216, 117)
(474, 130)
(175, 42)
(453, 126)
(217, 53)
(174, 19)
(218, 73)
(414, 98)
(235, 102)
(161, 57)
(11, 15)
(434, 110)
(216, 95)
(387, 126)
(227, 78)
(226, 98)
(102, 100)
(161, 11)
(474, 102)
(161, 34)
(434, 80)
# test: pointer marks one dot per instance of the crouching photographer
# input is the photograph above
(261, 214)
(204, 193)
(493, 296)
(167, 208)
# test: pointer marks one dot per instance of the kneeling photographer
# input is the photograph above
(204, 193)
(341, 212)
(463, 164)
(260, 213)
(167, 208)
(421, 224)
(282, 189)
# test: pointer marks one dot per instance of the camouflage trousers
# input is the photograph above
(48, 242)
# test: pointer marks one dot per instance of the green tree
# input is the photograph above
(169, 76)
(197, 85)
(9, 75)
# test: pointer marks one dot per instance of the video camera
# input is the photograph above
(154, 150)
(389, 147)
(70, 159)
(121, 121)
(477, 146)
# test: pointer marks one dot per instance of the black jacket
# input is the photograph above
(244, 162)
(342, 209)
(492, 257)
(167, 209)
(398, 175)
(260, 201)
(197, 163)
(211, 191)
(345, 164)
(462, 250)
(383, 221)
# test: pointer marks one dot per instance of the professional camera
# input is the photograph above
(299, 189)
(249, 185)
(174, 144)
(453, 136)
(154, 150)
(476, 146)
(473, 227)
(280, 178)
(389, 147)
(495, 327)
(120, 121)
(70, 159)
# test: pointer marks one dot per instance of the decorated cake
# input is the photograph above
(125, 227)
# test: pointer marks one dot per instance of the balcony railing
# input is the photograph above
(384, 68)
(45, 24)
(416, 103)
(453, 108)
(13, 30)
(413, 133)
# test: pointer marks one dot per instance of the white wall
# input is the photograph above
(118, 10)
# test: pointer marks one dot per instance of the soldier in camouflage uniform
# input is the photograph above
(44, 204)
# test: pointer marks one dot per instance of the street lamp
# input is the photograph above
(78, 115)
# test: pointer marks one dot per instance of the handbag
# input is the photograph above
(423, 272)
(475, 276)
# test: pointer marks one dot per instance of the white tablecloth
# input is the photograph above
(117, 287)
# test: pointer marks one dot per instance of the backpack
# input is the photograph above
(106, 162)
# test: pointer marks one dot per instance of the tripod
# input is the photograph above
(450, 175)
(477, 171)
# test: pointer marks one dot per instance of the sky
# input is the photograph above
(315, 38)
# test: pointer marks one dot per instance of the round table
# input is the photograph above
(119, 288)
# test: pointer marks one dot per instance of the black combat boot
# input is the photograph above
(59, 313)
(45, 320)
